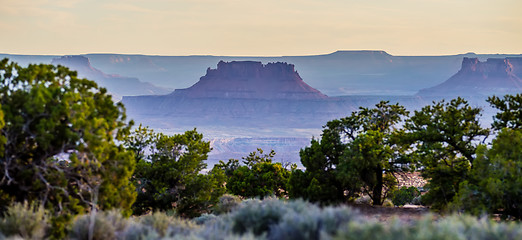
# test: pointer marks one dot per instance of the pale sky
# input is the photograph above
(260, 28)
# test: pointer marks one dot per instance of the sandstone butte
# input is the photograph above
(476, 78)
(251, 80)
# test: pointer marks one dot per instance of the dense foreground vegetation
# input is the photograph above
(68, 154)
(270, 218)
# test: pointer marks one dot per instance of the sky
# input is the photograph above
(260, 28)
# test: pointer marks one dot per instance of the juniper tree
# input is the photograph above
(58, 143)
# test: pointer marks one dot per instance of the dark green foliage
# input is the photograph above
(318, 183)
(375, 153)
(259, 177)
(168, 174)
(358, 152)
(495, 183)
(58, 143)
(510, 111)
(404, 195)
(228, 167)
(445, 137)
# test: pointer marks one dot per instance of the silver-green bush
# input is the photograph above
(278, 219)
(168, 226)
(107, 225)
(138, 231)
(204, 218)
(270, 219)
(102, 229)
(28, 221)
(452, 227)
(312, 223)
(258, 216)
(227, 203)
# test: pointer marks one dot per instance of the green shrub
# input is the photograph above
(28, 221)
(64, 143)
(259, 177)
(453, 227)
(227, 203)
(417, 200)
(404, 195)
(166, 225)
(82, 225)
(468, 227)
(138, 231)
(168, 173)
(257, 216)
(204, 218)
(277, 219)
(373, 230)
(495, 182)
(444, 137)
(295, 225)
(107, 225)
(313, 223)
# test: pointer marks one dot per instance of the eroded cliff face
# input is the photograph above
(82, 65)
(117, 85)
(476, 78)
(251, 80)
(248, 94)
(516, 64)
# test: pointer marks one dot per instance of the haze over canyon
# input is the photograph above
(281, 102)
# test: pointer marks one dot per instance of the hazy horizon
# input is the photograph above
(264, 28)
(264, 56)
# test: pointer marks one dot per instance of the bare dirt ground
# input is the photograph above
(404, 214)
(407, 213)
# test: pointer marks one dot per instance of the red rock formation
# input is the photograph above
(251, 80)
(516, 65)
(475, 78)
(410, 179)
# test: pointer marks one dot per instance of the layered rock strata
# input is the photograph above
(251, 80)
(475, 78)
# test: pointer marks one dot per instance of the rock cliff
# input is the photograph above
(251, 80)
(516, 65)
(476, 78)
(117, 85)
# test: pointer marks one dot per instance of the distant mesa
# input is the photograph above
(117, 85)
(251, 80)
(83, 66)
(241, 93)
(361, 53)
(475, 78)
(246, 94)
